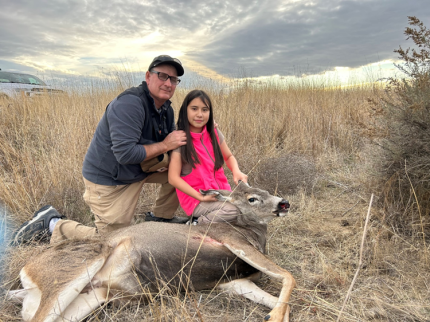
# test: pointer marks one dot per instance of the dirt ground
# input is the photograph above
(319, 243)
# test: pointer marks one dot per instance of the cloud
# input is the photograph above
(259, 37)
(315, 36)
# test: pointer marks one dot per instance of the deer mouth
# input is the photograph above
(283, 207)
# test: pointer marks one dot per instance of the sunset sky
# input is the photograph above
(216, 39)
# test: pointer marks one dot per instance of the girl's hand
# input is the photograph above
(208, 198)
(239, 176)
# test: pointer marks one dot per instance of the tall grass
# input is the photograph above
(276, 132)
(43, 140)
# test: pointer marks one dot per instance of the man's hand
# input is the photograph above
(172, 141)
(175, 139)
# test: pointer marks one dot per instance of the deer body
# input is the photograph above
(190, 248)
(71, 279)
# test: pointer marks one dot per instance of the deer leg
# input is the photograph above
(281, 310)
(32, 296)
(83, 305)
(257, 259)
(16, 295)
(57, 300)
(249, 290)
(287, 315)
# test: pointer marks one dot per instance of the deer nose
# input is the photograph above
(284, 204)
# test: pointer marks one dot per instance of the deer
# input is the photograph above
(71, 279)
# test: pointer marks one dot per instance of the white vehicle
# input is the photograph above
(13, 84)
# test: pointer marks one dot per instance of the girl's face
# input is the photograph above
(198, 115)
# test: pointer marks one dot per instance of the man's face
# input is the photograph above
(160, 90)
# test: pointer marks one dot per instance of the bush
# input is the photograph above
(286, 175)
(404, 128)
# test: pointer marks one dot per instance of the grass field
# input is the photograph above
(308, 143)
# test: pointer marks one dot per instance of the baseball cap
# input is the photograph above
(166, 59)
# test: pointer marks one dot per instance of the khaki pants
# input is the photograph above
(114, 207)
(217, 211)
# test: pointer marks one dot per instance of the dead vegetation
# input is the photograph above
(305, 143)
(402, 120)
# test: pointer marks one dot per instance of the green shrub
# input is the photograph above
(404, 141)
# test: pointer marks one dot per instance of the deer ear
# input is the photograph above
(209, 192)
(244, 183)
(216, 193)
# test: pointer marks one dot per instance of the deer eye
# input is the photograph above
(252, 199)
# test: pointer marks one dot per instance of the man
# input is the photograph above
(129, 149)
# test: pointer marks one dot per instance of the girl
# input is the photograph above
(198, 164)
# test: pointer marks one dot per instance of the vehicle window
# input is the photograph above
(6, 77)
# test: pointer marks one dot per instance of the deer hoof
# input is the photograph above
(267, 317)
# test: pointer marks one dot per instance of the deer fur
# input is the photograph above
(71, 279)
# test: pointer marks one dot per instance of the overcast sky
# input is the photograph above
(260, 38)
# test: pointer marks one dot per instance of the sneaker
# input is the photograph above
(149, 216)
(38, 227)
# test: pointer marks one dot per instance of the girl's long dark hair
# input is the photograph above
(188, 152)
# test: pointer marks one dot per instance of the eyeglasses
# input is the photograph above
(163, 76)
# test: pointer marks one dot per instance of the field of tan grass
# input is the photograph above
(306, 143)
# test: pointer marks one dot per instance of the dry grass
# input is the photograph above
(302, 142)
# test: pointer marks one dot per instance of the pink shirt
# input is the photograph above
(204, 175)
